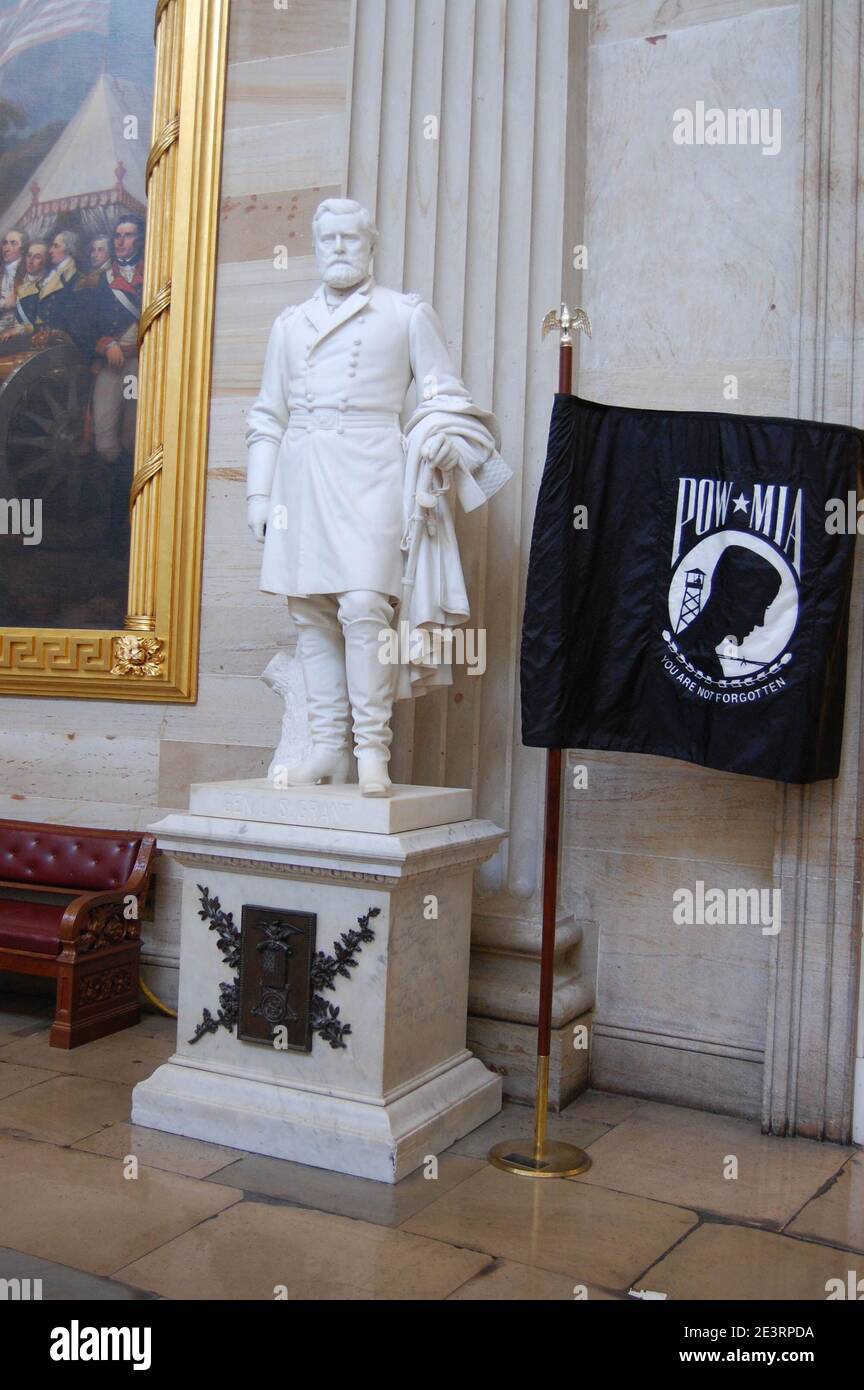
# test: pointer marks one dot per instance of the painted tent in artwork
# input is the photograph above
(95, 171)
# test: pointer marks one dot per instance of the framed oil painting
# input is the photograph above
(110, 143)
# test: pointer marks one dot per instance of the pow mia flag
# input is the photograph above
(685, 596)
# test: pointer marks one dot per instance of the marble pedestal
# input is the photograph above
(404, 1086)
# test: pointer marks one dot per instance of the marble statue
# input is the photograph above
(356, 517)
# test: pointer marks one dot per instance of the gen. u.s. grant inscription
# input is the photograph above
(256, 801)
(330, 815)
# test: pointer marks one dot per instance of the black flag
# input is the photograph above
(688, 588)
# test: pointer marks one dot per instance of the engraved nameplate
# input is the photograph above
(326, 808)
(328, 814)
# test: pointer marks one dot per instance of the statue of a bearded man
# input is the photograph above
(355, 515)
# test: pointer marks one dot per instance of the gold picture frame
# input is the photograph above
(154, 656)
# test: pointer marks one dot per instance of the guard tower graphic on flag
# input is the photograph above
(692, 600)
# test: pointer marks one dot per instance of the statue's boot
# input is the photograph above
(324, 765)
(373, 774)
(371, 686)
(322, 658)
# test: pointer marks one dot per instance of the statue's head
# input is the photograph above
(345, 240)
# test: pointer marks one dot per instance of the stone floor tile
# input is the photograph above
(79, 1210)
(155, 1025)
(555, 1225)
(24, 1015)
(256, 1248)
(59, 1283)
(14, 1078)
(837, 1215)
(154, 1147)
(739, 1262)
(64, 1109)
(602, 1106)
(382, 1203)
(129, 1056)
(506, 1282)
(516, 1121)
(673, 1154)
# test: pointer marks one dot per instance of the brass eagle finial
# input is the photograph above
(568, 322)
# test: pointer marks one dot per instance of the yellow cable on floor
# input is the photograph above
(148, 994)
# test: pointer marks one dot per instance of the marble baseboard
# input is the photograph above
(670, 1071)
(382, 1142)
(162, 979)
(510, 1049)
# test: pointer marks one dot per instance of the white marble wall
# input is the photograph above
(694, 252)
(692, 275)
(705, 262)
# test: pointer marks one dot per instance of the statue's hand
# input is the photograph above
(257, 509)
(441, 453)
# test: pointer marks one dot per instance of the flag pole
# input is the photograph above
(546, 1158)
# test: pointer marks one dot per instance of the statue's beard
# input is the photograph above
(343, 275)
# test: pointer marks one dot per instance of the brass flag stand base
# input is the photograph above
(548, 1158)
(545, 1158)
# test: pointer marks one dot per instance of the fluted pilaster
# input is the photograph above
(470, 152)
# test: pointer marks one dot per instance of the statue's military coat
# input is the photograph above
(325, 440)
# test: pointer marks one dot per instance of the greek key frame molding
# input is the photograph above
(155, 655)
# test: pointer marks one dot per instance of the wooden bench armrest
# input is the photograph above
(142, 868)
(78, 910)
(99, 919)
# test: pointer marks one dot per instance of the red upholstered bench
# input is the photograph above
(89, 940)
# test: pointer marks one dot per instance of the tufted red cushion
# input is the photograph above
(61, 858)
(30, 926)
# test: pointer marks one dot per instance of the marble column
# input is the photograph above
(466, 137)
(815, 963)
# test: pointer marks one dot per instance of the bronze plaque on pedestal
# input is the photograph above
(276, 951)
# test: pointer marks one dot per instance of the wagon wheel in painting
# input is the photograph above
(44, 450)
